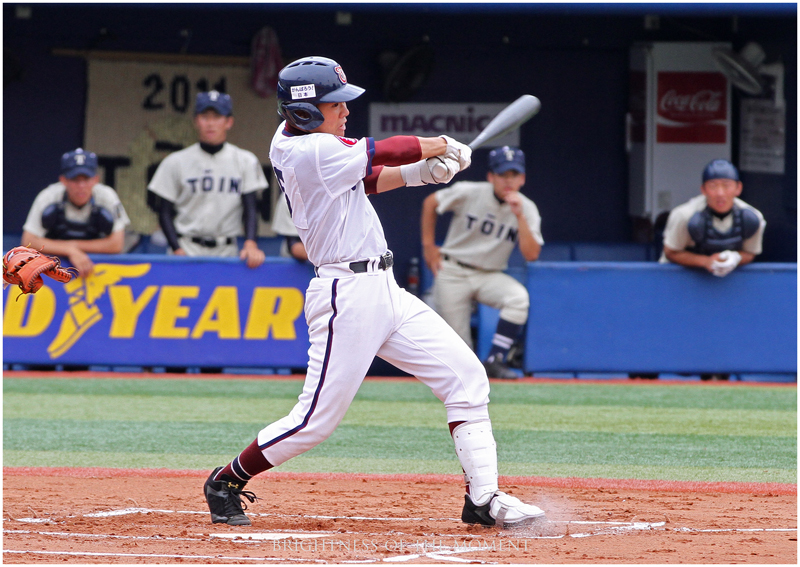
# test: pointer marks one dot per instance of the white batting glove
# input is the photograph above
(461, 152)
(416, 174)
(437, 169)
(728, 260)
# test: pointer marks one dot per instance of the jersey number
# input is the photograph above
(279, 177)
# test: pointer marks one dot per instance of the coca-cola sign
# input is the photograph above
(692, 107)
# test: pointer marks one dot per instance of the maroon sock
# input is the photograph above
(248, 464)
(452, 426)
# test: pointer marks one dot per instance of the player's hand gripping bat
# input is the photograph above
(510, 118)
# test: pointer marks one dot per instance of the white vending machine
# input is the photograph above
(679, 119)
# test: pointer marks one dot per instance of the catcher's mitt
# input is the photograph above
(24, 267)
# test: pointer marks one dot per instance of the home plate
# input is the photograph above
(267, 536)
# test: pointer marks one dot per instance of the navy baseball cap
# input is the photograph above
(720, 169)
(220, 102)
(505, 158)
(78, 162)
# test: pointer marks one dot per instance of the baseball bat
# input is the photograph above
(510, 118)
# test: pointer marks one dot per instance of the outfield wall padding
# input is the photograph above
(156, 310)
(650, 317)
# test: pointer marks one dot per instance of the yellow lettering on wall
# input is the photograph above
(40, 315)
(221, 315)
(169, 310)
(274, 308)
(127, 309)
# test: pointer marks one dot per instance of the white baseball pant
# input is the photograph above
(351, 319)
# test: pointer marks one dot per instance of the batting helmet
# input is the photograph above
(305, 83)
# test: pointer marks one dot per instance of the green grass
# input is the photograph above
(643, 431)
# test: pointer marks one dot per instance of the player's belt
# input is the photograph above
(383, 262)
(462, 264)
(213, 242)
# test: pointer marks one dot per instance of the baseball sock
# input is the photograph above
(248, 464)
(504, 336)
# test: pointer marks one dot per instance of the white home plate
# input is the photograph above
(267, 536)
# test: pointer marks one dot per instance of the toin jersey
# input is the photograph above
(207, 189)
(321, 178)
(676, 232)
(483, 230)
(102, 196)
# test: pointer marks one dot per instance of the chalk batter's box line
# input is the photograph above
(765, 488)
(611, 524)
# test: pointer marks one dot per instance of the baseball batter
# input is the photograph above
(205, 189)
(78, 215)
(489, 219)
(354, 308)
(716, 230)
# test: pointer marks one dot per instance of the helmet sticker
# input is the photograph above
(340, 72)
(303, 91)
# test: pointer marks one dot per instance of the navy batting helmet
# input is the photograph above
(305, 83)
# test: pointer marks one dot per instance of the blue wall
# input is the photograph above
(573, 57)
(647, 317)
(155, 310)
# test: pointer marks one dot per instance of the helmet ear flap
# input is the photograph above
(302, 115)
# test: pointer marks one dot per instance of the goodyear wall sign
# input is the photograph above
(163, 312)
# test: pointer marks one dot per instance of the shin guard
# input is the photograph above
(477, 452)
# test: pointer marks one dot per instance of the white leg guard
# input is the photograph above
(477, 453)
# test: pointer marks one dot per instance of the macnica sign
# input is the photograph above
(162, 313)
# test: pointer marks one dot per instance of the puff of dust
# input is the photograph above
(558, 514)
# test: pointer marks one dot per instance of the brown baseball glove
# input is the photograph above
(24, 267)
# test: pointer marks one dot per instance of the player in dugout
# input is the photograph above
(78, 215)
(206, 190)
(489, 219)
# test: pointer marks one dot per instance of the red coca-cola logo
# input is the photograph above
(692, 97)
(692, 108)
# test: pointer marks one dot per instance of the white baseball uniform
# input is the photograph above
(102, 196)
(207, 190)
(481, 236)
(354, 308)
(676, 231)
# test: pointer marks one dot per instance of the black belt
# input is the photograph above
(386, 262)
(462, 264)
(211, 242)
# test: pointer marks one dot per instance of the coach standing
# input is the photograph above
(208, 190)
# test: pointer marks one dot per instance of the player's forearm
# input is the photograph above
(432, 146)
(388, 179)
(528, 245)
(747, 257)
(165, 215)
(250, 206)
(111, 244)
(688, 259)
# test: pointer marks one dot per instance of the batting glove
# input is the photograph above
(461, 152)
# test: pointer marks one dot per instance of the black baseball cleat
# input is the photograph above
(502, 510)
(224, 498)
(496, 369)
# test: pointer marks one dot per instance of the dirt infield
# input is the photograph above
(115, 516)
